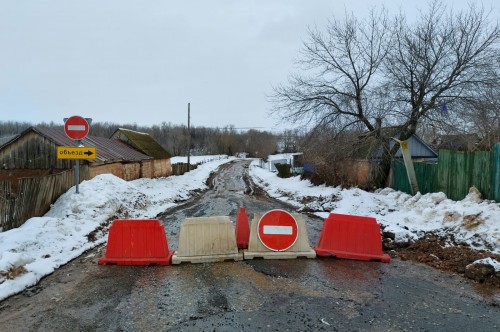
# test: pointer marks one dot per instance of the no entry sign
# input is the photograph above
(277, 230)
(76, 127)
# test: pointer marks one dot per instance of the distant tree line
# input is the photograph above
(174, 138)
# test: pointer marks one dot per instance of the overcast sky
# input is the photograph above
(143, 61)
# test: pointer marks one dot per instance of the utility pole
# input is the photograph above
(189, 136)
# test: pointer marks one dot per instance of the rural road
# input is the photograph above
(268, 295)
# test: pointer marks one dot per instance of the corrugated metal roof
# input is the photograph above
(107, 149)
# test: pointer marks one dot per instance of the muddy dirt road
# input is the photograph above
(271, 295)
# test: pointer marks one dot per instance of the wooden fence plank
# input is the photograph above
(181, 168)
(6, 205)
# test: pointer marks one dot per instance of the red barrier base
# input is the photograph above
(137, 242)
(242, 229)
(351, 237)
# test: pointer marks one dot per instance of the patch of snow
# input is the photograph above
(490, 261)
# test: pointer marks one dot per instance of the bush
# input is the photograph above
(284, 170)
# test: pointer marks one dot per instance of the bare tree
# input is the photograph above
(434, 63)
(289, 140)
(340, 67)
(437, 61)
(326, 151)
(338, 89)
(482, 114)
(260, 144)
(363, 72)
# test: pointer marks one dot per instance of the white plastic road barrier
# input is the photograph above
(207, 239)
(278, 235)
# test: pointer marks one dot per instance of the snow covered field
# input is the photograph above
(43, 244)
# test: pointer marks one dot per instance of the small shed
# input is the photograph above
(161, 164)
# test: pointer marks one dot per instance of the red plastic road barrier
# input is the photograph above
(242, 229)
(137, 242)
(351, 237)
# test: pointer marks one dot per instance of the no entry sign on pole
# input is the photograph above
(76, 127)
(277, 230)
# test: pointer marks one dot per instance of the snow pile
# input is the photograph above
(489, 261)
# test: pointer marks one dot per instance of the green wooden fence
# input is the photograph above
(454, 174)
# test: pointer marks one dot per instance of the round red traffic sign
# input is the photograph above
(76, 127)
(277, 230)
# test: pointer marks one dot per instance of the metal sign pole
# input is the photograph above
(77, 174)
(77, 170)
(189, 138)
(77, 129)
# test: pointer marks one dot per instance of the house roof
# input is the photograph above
(106, 149)
(369, 147)
(142, 142)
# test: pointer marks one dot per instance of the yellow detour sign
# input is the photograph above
(74, 152)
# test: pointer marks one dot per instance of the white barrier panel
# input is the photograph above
(280, 236)
(207, 239)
